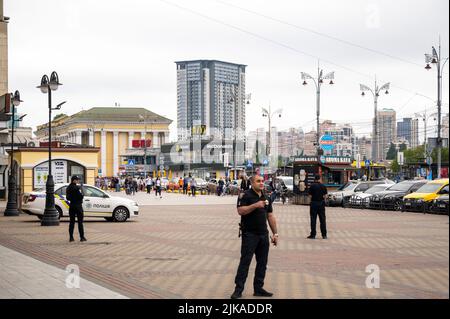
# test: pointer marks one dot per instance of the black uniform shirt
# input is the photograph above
(74, 195)
(317, 191)
(256, 221)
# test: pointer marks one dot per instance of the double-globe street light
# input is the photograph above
(318, 83)
(269, 114)
(11, 206)
(235, 100)
(436, 58)
(376, 93)
(51, 215)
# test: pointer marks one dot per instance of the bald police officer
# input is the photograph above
(255, 210)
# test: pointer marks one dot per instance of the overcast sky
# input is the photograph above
(123, 51)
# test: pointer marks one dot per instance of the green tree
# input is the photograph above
(58, 116)
(444, 155)
(395, 167)
(392, 152)
(403, 147)
(415, 155)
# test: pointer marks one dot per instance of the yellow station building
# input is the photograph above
(116, 132)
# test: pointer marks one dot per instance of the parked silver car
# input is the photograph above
(342, 196)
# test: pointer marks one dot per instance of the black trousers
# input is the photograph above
(193, 189)
(77, 212)
(158, 190)
(318, 208)
(258, 245)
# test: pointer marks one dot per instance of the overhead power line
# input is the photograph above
(256, 35)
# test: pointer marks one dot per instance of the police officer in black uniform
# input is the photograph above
(255, 210)
(75, 196)
(317, 191)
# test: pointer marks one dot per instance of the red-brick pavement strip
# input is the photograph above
(193, 252)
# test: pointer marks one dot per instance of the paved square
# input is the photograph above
(182, 247)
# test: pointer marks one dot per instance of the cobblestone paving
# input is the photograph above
(192, 251)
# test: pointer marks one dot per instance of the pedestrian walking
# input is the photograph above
(317, 192)
(180, 183)
(134, 186)
(193, 186)
(148, 184)
(220, 186)
(75, 196)
(185, 185)
(255, 210)
(158, 187)
(245, 185)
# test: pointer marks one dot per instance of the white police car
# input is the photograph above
(96, 203)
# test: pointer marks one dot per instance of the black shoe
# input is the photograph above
(324, 237)
(262, 293)
(71, 239)
(236, 295)
(311, 237)
(83, 239)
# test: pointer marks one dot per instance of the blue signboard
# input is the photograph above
(367, 163)
(265, 162)
(131, 162)
(327, 142)
(249, 164)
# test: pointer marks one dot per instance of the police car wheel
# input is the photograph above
(120, 214)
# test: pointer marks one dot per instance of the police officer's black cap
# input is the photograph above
(75, 178)
(317, 177)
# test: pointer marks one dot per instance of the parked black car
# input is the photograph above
(392, 198)
(440, 205)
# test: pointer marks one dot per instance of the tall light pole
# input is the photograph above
(235, 100)
(425, 117)
(376, 93)
(11, 206)
(435, 58)
(318, 83)
(269, 114)
(51, 215)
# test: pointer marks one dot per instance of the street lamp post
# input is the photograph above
(269, 114)
(435, 58)
(318, 83)
(376, 93)
(235, 99)
(11, 206)
(425, 117)
(51, 215)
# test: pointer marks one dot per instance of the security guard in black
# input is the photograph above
(317, 191)
(75, 196)
(255, 222)
(255, 210)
